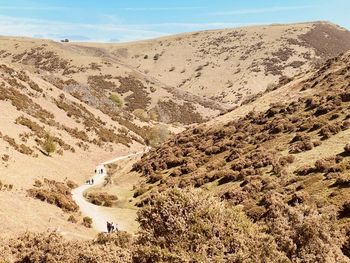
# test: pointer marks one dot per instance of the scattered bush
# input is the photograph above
(342, 181)
(303, 233)
(55, 193)
(155, 178)
(347, 149)
(5, 158)
(49, 145)
(72, 219)
(156, 57)
(103, 199)
(116, 100)
(18, 147)
(157, 135)
(120, 239)
(345, 210)
(87, 222)
(52, 247)
(141, 114)
(140, 191)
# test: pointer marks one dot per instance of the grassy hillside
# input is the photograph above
(273, 144)
(96, 77)
(298, 150)
(232, 65)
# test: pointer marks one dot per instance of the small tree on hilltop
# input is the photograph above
(49, 145)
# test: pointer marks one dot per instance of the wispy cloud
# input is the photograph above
(190, 25)
(103, 32)
(260, 10)
(174, 8)
(18, 26)
(33, 8)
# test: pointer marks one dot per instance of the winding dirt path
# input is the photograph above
(100, 215)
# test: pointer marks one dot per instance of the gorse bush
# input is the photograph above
(52, 247)
(87, 221)
(157, 135)
(49, 145)
(55, 193)
(303, 233)
(141, 114)
(193, 226)
(116, 100)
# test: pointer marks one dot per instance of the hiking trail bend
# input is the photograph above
(100, 215)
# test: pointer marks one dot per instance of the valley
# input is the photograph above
(245, 127)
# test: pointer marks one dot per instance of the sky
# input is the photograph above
(130, 20)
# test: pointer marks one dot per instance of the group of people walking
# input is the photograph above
(91, 181)
(111, 227)
(99, 171)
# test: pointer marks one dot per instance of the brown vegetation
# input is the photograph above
(52, 247)
(103, 199)
(55, 193)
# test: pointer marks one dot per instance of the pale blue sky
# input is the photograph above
(115, 20)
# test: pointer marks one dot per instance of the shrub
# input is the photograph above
(120, 238)
(305, 170)
(325, 165)
(20, 148)
(330, 129)
(178, 227)
(156, 57)
(33, 126)
(303, 233)
(103, 199)
(5, 157)
(153, 115)
(342, 180)
(87, 222)
(116, 100)
(157, 135)
(347, 149)
(71, 184)
(38, 183)
(155, 178)
(72, 219)
(55, 193)
(141, 114)
(49, 145)
(52, 247)
(140, 191)
(301, 146)
(345, 210)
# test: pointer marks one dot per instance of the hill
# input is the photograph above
(96, 77)
(297, 149)
(232, 65)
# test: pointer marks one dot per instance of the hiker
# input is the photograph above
(88, 182)
(112, 227)
(101, 171)
(92, 181)
(108, 227)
